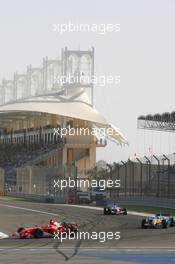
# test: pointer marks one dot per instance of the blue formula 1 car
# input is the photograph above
(158, 221)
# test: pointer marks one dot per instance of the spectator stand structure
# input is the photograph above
(44, 100)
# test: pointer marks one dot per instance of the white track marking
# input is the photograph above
(140, 213)
(28, 209)
(117, 250)
(2, 235)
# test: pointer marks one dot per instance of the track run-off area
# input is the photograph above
(135, 245)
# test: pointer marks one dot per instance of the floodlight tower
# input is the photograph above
(78, 65)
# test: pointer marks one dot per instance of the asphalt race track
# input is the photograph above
(14, 214)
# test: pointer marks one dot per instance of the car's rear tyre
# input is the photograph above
(172, 222)
(125, 211)
(38, 233)
(72, 232)
(65, 224)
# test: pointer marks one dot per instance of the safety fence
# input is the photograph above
(150, 176)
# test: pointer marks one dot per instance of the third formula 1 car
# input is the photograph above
(158, 221)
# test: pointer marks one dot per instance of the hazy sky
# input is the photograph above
(143, 53)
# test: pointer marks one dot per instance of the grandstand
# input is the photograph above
(34, 108)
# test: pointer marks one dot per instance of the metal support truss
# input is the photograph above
(164, 122)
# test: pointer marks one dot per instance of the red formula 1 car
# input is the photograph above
(114, 209)
(51, 230)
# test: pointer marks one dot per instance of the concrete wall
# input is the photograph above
(37, 180)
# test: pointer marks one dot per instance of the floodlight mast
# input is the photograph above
(39, 81)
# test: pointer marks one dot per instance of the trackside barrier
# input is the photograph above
(37, 197)
(101, 202)
(145, 201)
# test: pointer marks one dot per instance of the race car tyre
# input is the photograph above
(143, 223)
(65, 224)
(164, 223)
(20, 229)
(172, 222)
(72, 231)
(125, 211)
(107, 211)
(38, 233)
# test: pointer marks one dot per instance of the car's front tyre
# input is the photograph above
(143, 223)
(106, 211)
(164, 223)
(38, 233)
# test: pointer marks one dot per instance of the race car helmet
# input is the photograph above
(52, 221)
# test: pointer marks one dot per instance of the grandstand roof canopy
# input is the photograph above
(76, 105)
